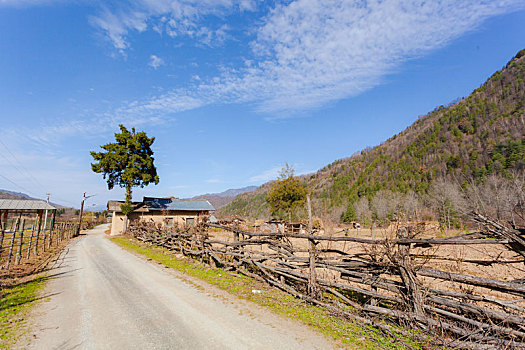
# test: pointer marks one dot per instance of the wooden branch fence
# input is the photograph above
(27, 238)
(373, 280)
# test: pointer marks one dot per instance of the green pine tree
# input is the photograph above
(127, 163)
(287, 193)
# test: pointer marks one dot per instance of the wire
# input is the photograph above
(31, 193)
(17, 185)
(38, 183)
(35, 181)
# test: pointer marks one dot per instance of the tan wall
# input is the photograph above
(177, 217)
(117, 224)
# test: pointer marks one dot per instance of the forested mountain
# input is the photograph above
(467, 141)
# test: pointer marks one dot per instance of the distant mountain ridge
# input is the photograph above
(219, 200)
(475, 137)
(6, 194)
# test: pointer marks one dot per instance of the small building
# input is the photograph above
(27, 209)
(166, 211)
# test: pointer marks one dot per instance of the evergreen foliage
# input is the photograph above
(127, 163)
(286, 194)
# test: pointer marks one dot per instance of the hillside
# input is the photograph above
(219, 200)
(480, 135)
(5, 194)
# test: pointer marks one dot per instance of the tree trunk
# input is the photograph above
(128, 194)
(128, 202)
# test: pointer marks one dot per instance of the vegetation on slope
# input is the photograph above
(481, 135)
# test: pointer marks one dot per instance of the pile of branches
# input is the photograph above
(384, 281)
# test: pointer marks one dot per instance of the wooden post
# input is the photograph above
(2, 232)
(413, 295)
(10, 254)
(50, 236)
(39, 218)
(57, 233)
(53, 220)
(312, 282)
(236, 233)
(21, 241)
(44, 238)
(30, 243)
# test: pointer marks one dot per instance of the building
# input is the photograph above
(165, 211)
(27, 209)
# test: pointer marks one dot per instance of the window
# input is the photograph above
(190, 221)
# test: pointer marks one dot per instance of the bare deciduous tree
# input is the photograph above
(412, 205)
(500, 198)
(362, 210)
(381, 204)
(447, 199)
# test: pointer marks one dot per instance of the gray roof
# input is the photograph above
(177, 204)
(154, 204)
(24, 204)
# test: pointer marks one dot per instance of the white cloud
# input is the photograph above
(213, 181)
(173, 17)
(155, 62)
(265, 176)
(309, 53)
(273, 174)
(306, 53)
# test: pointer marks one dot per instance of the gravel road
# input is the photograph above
(102, 297)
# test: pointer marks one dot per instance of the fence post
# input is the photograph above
(2, 232)
(10, 254)
(38, 231)
(30, 243)
(312, 281)
(44, 239)
(50, 237)
(21, 241)
(413, 295)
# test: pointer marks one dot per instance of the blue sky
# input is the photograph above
(231, 89)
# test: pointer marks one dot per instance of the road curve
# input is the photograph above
(102, 297)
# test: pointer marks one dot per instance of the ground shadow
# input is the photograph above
(25, 300)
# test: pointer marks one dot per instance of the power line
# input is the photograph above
(14, 166)
(65, 201)
(31, 193)
(38, 183)
(17, 185)
(35, 181)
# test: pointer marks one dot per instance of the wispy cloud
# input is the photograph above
(309, 53)
(265, 176)
(305, 55)
(176, 18)
(24, 3)
(155, 61)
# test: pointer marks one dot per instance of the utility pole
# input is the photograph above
(84, 197)
(45, 217)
